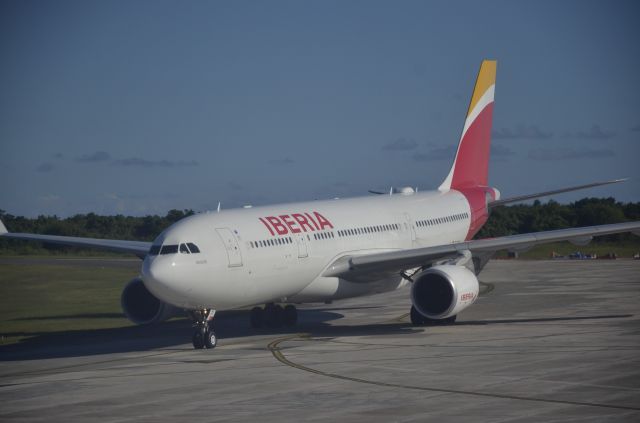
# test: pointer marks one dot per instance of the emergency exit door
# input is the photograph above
(231, 245)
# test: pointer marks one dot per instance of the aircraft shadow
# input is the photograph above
(229, 325)
(173, 333)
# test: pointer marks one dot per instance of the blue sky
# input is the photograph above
(138, 107)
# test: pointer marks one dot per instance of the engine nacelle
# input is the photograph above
(444, 291)
(141, 307)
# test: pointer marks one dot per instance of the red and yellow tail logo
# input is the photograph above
(471, 165)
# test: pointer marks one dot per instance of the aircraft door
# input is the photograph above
(411, 228)
(303, 251)
(231, 245)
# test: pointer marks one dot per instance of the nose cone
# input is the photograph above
(160, 276)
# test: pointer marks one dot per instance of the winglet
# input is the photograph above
(3, 229)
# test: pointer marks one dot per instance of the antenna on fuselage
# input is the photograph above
(219, 206)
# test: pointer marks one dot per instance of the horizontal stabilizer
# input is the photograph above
(547, 193)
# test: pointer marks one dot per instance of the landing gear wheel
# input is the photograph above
(290, 315)
(257, 317)
(211, 340)
(273, 315)
(450, 320)
(197, 339)
(203, 334)
(417, 319)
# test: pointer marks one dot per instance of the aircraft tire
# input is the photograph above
(273, 315)
(210, 340)
(256, 317)
(417, 319)
(450, 320)
(290, 315)
(197, 339)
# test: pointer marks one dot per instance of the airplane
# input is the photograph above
(321, 251)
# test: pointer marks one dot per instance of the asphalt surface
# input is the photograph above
(547, 341)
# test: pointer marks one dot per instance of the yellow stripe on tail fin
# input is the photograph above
(471, 165)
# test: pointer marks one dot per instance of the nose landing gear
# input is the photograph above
(203, 335)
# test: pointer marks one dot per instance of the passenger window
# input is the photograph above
(184, 249)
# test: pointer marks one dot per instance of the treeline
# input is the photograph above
(506, 220)
(522, 218)
(83, 225)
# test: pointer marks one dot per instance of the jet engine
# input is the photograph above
(443, 291)
(143, 308)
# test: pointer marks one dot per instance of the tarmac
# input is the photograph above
(552, 341)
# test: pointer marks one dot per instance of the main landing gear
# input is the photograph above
(273, 316)
(417, 319)
(203, 335)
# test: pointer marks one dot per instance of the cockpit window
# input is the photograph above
(155, 250)
(194, 249)
(184, 249)
(169, 249)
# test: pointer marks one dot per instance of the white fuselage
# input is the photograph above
(278, 253)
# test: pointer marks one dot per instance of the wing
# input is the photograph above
(521, 198)
(370, 267)
(138, 248)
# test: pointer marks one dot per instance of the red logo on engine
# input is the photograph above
(469, 296)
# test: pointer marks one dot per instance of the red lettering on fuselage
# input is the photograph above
(322, 221)
(277, 225)
(302, 221)
(267, 225)
(295, 223)
(313, 221)
(291, 225)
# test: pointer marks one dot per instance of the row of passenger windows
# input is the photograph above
(356, 231)
(323, 235)
(271, 242)
(369, 230)
(185, 248)
(440, 220)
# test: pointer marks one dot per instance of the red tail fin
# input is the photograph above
(471, 165)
